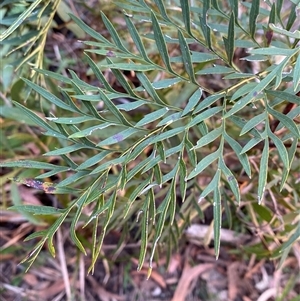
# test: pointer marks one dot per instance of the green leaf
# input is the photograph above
(238, 149)
(272, 15)
(152, 117)
(94, 160)
(280, 148)
(149, 87)
(113, 109)
(193, 100)
(217, 69)
(168, 134)
(186, 15)
(37, 210)
(169, 119)
(71, 119)
(20, 20)
(253, 123)
(161, 43)
(137, 191)
(166, 83)
(111, 202)
(161, 150)
(273, 51)
(243, 90)
(65, 150)
(250, 144)
(140, 167)
(28, 164)
(131, 105)
(54, 75)
(190, 151)
(208, 138)
(297, 74)
(34, 235)
(204, 26)
(91, 109)
(286, 121)
(217, 220)
(133, 6)
(52, 230)
(89, 131)
(229, 41)
(57, 170)
(291, 154)
(186, 57)
(172, 208)
(295, 34)
(91, 32)
(157, 174)
(162, 10)
(70, 102)
(292, 16)
(285, 96)
(241, 123)
(129, 66)
(47, 95)
(117, 138)
(231, 180)
(99, 74)
(263, 172)
(121, 79)
(73, 178)
(80, 204)
(138, 147)
(161, 222)
(136, 39)
(254, 11)
(238, 75)
(264, 213)
(208, 101)
(294, 237)
(234, 6)
(113, 33)
(182, 178)
(168, 153)
(203, 116)
(257, 89)
(211, 186)
(144, 232)
(196, 57)
(209, 159)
